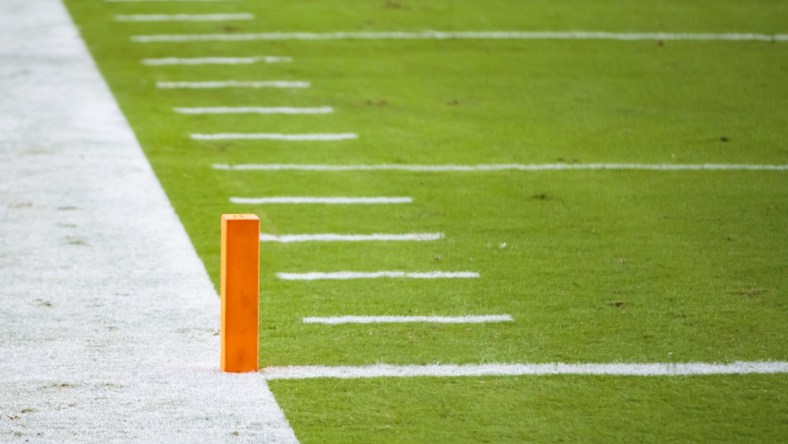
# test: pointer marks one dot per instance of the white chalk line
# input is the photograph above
(503, 167)
(321, 137)
(472, 319)
(320, 200)
(216, 84)
(182, 17)
(464, 35)
(334, 237)
(347, 275)
(459, 370)
(254, 110)
(168, 1)
(163, 61)
(155, 346)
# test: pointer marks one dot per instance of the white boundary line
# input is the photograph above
(320, 200)
(108, 333)
(322, 137)
(462, 35)
(346, 275)
(168, 1)
(503, 167)
(215, 84)
(182, 17)
(332, 237)
(471, 319)
(451, 370)
(164, 61)
(253, 110)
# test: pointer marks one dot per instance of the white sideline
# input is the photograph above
(216, 84)
(181, 17)
(457, 370)
(320, 200)
(253, 110)
(324, 137)
(214, 60)
(332, 237)
(462, 35)
(107, 316)
(478, 319)
(345, 275)
(501, 167)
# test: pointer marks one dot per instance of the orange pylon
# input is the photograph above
(240, 288)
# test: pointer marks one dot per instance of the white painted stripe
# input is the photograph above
(168, 1)
(214, 84)
(182, 17)
(345, 275)
(324, 137)
(321, 200)
(463, 35)
(503, 167)
(215, 60)
(332, 237)
(100, 346)
(453, 370)
(479, 319)
(254, 110)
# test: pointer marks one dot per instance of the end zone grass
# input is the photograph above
(594, 266)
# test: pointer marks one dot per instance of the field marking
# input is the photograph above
(168, 1)
(462, 35)
(333, 237)
(503, 167)
(182, 17)
(477, 319)
(253, 110)
(320, 137)
(346, 275)
(320, 200)
(215, 60)
(216, 84)
(453, 370)
(100, 347)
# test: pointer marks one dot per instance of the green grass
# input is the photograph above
(541, 409)
(594, 266)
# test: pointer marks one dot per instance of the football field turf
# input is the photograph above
(538, 195)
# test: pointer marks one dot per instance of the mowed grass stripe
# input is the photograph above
(163, 61)
(470, 319)
(460, 35)
(478, 370)
(503, 167)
